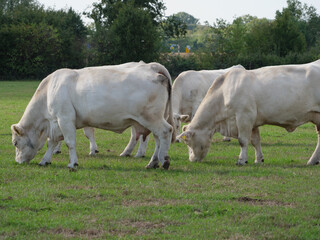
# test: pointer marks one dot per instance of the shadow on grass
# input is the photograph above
(113, 162)
(5, 134)
(281, 144)
(284, 144)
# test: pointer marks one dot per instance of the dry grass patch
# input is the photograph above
(71, 233)
(153, 202)
(265, 202)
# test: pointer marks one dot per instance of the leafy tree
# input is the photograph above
(40, 40)
(287, 36)
(72, 33)
(259, 39)
(187, 18)
(218, 46)
(190, 21)
(307, 19)
(106, 13)
(133, 36)
(25, 50)
(12, 5)
(173, 26)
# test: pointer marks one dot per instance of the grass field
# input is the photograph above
(111, 197)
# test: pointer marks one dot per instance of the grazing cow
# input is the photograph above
(188, 90)
(109, 97)
(89, 133)
(240, 101)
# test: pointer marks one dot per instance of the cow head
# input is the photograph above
(198, 142)
(27, 143)
(177, 119)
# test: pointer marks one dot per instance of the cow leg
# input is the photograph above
(244, 134)
(226, 139)
(315, 158)
(89, 132)
(51, 146)
(255, 141)
(69, 133)
(57, 149)
(142, 146)
(165, 134)
(132, 143)
(154, 162)
(243, 157)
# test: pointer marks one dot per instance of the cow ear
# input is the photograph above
(177, 116)
(18, 130)
(184, 128)
(186, 136)
(184, 118)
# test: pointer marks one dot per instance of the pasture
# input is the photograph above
(111, 197)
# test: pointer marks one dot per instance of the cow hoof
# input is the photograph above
(241, 163)
(139, 156)
(57, 152)
(44, 164)
(93, 153)
(72, 169)
(124, 155)
(152, 166)
(310, 163)
(166, 165)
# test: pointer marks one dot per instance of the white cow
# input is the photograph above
(89, 133)
(189, 89)
(240, 101)
(109, 97)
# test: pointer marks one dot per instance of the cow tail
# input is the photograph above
(169, 110)
(170, 121)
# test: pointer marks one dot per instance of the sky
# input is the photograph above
(204, 10)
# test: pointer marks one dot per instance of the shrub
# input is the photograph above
(28, 50)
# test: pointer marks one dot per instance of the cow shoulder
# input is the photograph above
(230, 84)
(43, 86)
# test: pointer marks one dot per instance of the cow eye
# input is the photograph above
(15, 143)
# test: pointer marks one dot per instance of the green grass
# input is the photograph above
(111, 197)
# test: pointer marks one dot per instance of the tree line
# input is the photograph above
(292, 37)
(36, 41)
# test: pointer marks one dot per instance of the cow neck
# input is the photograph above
(36, 111)
(209, 112)
(176, 98)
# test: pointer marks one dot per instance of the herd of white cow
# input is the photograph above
(234, 102)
